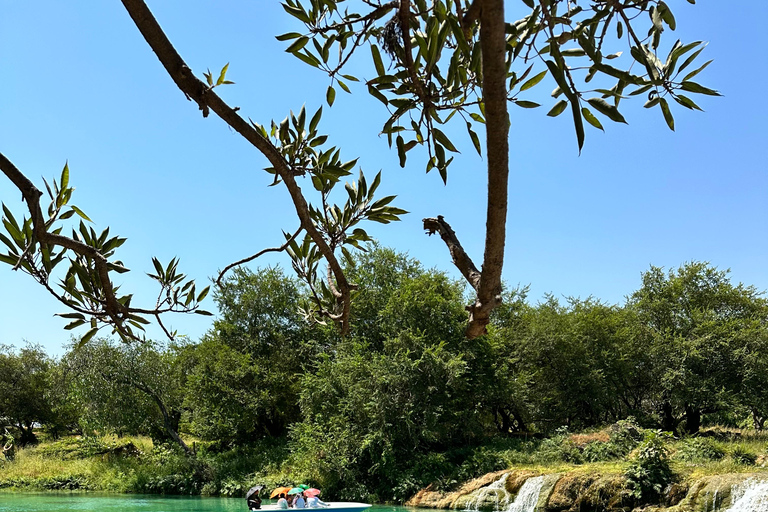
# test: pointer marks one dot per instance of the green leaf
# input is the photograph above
(533, 81)
(526, 104)
(591, 119)
(694, 87)
(343, 86)
(445, 141)
(377, 60)
(607, 109)
(690, 58)
(330, 95)
(557, 74)
(667, 16)
(315, 120)
(667, 114)
(65, 176)
(401, 150)
(308, 58)
(86, 337)
(377, 94)
(578, 124)
(9, 260)
(80, 213)
(686, 102)
(74, 324)
(288, 36)
(223, 74)
(697, 71)
(475, 139)
(558, 108)
(203, 294)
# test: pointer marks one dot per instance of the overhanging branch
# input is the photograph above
(207, 99)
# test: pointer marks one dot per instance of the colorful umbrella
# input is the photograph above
(278, 491)
(303, 486)
(296, 490)
(312, 492)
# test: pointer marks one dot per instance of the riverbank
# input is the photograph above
(609, 469)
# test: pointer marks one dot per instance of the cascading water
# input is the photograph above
(750, 496)
(528, 496)
(497, 489)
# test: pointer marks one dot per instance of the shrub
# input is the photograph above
(649, 473)
(558, 448)
(626, 434)
(699, 449)
(741, 455)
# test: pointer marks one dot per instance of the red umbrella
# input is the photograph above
(312, 492)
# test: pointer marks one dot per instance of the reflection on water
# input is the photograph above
(58, 502)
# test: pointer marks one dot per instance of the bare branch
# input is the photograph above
(258, 254)
(460, 258)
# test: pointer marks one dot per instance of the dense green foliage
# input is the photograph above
(406, 400)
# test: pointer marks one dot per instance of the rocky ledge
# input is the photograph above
(504, 491)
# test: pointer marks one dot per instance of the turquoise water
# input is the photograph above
(54, 502)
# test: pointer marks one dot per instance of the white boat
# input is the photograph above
(345, 506)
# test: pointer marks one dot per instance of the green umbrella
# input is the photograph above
(295, 490)
(303, 486)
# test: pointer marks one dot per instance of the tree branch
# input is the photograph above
(261, 252)
(470, 17)
(31, 194)
(460, 258)
(206, 98)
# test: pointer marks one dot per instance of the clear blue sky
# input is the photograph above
(78, 83)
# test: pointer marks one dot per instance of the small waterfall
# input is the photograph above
(497, 489)
(750, 496)
(528, 496)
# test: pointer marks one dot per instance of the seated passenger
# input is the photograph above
(282, 502)
(298, 502)
(315, 502)
(254, 502)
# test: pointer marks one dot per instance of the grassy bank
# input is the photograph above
(135, 465)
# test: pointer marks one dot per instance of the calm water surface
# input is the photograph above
(54, 502)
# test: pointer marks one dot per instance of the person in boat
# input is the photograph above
(282, 502)
(298, 501)
(315, 502)
(254, 502)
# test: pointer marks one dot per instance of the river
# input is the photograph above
(55, 502)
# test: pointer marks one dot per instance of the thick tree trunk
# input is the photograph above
(692, 419)
(487, 283)
(668, 423)
(28, 436)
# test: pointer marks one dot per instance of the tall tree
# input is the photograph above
(697, 319)
(127, 388)
(24, 390)
(244, 376)
(451, 59)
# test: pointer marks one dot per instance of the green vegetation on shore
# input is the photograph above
(405, 401)
(134, 465)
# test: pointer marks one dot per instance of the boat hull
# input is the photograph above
(341, 506)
